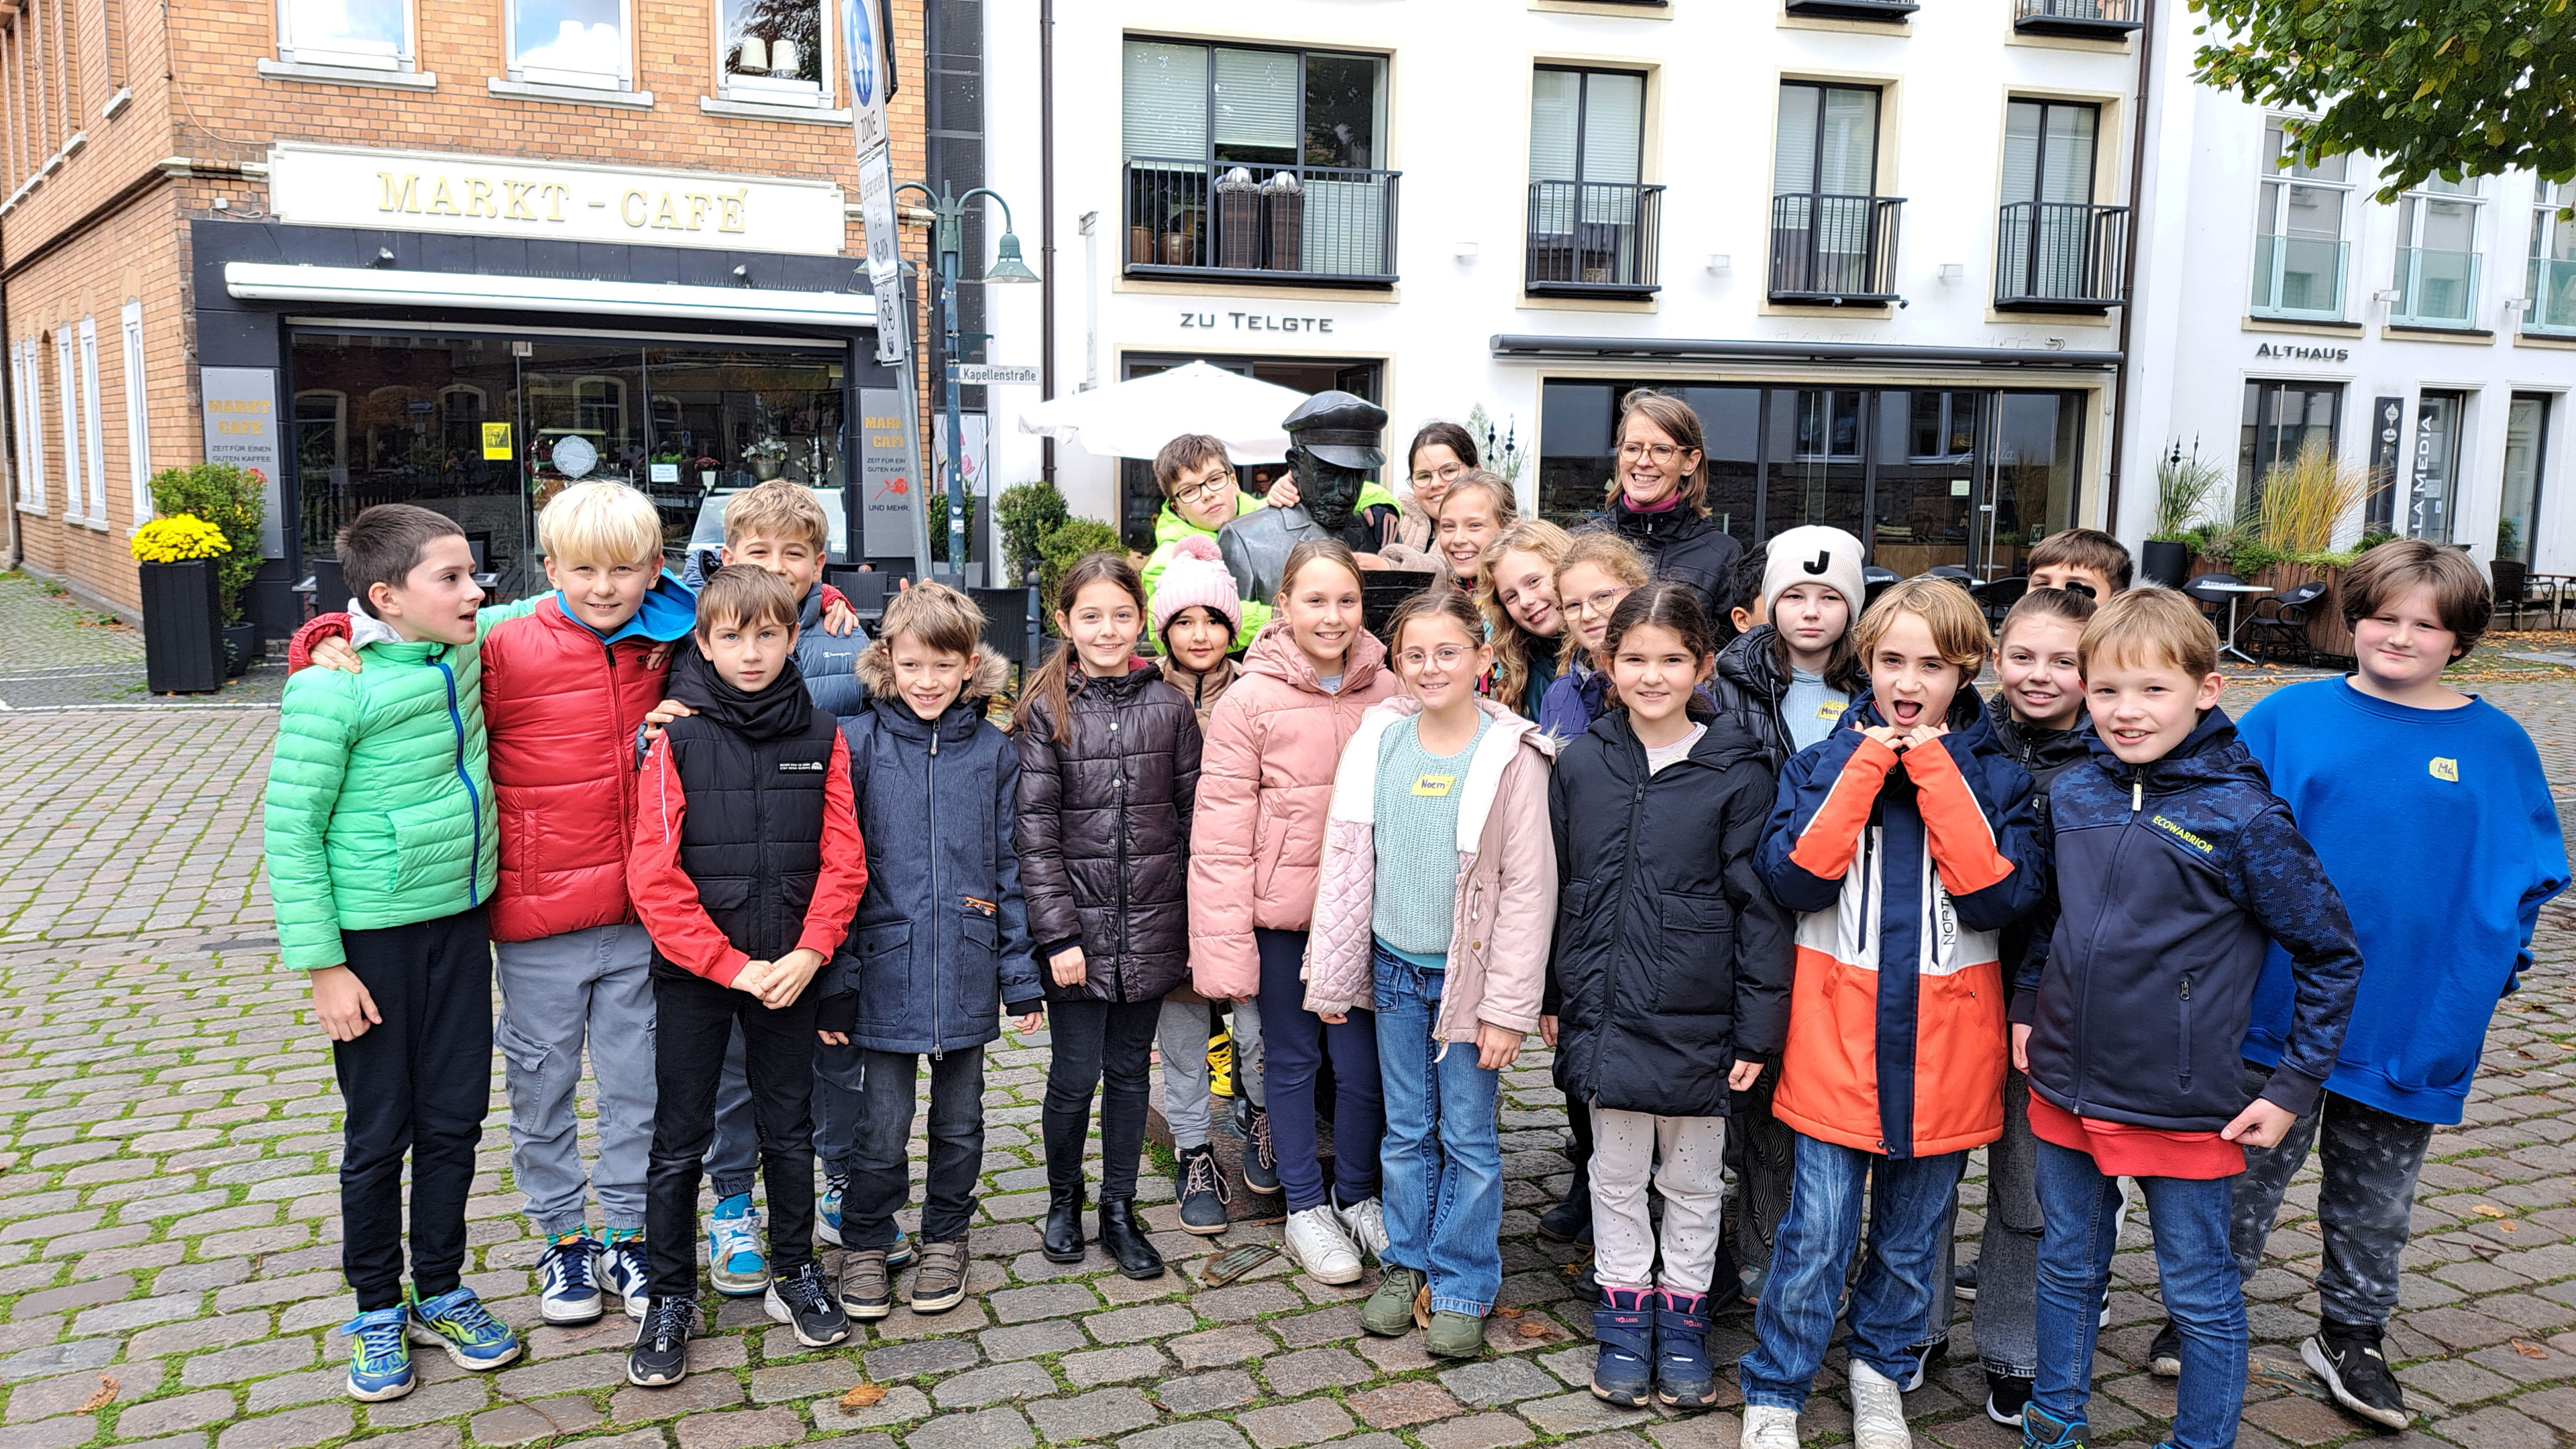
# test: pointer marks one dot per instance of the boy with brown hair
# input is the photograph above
(2176, 868)
(2445, 860)
(2079, 556)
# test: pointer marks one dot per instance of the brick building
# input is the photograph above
(450, 253)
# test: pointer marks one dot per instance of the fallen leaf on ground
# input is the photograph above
(2486, 1210)
(1533, 1329)
(862, 1396)
(1507, 1312)
(105, 1396)
(2507, 1224)
(2528, 1349)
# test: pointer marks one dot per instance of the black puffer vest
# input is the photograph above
(753, 767)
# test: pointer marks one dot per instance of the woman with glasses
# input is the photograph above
(1658, 498)
(1434, 908)
(1441, 454)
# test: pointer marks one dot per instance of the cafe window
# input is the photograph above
(367, 34)
(489, 430)
(776, 49)
(571, 43)
(2281, 420)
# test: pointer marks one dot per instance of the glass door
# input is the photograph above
(2037, 444)
(2526, 441)
(1816, 472)
(2437, 465)
(1924, 493)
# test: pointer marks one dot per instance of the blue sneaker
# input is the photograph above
(568, 1280)
(734, 1259)
(379, 1359)
(459, 1323)
(624, 1270)
(827, 1225)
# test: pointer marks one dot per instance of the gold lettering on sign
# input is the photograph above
(667, 217)
(730, 218)
(554, 192)
(441, 202)
(518, 200)
(407, 198)
(629, 208)
(698, 201)
(478, 197)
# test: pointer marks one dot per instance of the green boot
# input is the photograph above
(1454, 1335)
(1389, 1311)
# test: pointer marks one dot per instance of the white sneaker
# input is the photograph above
(1768, 1426)
(1878, 1410)
(1365, 1220)
(1317, 1240)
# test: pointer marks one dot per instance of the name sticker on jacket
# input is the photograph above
(2446, 769)
(2185, 836)
(816, 766)
(1832, 709)
(1434, 786)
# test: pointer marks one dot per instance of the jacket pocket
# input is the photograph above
(885, 946)
(1698, 974)
(723, 892)
(427, 837)
(524, 1076)
(2183, 1042)
(978, 973)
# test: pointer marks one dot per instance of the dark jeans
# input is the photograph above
(695, 1018)
(1909, 1199)
(1762, 1150)
(880, 1171)
(1091, 1042)
(2364, 1205)
(1292, 1045)
(419, 1082)
(2199, 1284)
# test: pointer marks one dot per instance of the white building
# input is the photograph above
(1882, 248)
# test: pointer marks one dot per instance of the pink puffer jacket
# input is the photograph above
(1265, 779)
(1504, 919)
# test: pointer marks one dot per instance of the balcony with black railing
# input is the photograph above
(1593, 238)
(1287, 225)
(2056, 256)
(1892, 11)
(2086, 19)
(1834, 250)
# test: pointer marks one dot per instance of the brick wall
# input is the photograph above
(110, 225)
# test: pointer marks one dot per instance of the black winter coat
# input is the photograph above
(2046, 754)
(1104, 834)
(1682, 546)
(1671, 960)
(1750, 685)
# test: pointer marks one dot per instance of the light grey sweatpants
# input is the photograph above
(1181, 1034)
(1691, 1180)
(556, 992)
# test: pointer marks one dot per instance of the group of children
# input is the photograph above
(1781, 870)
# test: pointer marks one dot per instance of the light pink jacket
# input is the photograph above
(1265, 776)
(1500, 928)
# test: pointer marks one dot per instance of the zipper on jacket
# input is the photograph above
(473, 797)
(2092, 945)
(2183, 1073)
(933, 836)
(1627, 871)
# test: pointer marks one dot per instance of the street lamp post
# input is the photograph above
(948, 240)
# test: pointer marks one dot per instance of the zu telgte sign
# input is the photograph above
(508, 196)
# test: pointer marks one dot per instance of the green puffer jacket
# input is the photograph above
(379, 805)
(1170, 528)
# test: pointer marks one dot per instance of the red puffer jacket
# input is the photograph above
(563, 708)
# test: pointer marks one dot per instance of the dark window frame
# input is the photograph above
(1877, 137)
(1583, 113)
(1384, 59)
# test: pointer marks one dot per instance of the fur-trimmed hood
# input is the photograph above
(876, 671)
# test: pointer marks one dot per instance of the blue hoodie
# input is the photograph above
(2444, 859)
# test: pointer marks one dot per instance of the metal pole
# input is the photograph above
(949, 226)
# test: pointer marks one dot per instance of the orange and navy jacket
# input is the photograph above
(1915, 859)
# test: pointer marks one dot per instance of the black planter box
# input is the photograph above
(243, 643)
(183, 628)
(2168, 564)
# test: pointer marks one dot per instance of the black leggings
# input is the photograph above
(1094, 1041)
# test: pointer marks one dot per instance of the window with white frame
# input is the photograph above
(2301, 256)
(67, 384)
(2437, 254)
(93, 451)
(2550, 292)
(138, 422)
(30, 418)
(777, 49)
(572, 42)
(368, 34)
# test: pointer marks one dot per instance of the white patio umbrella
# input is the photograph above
(1134, 419)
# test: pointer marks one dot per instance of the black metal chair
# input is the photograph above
(867, 590)
(1875, 581)
(1998, 596)
(2279, 625)
(1011, 623)
(1381, 590)
(2213, 602)
(2514, 593)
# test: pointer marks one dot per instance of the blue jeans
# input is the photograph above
(1293, 1044)
(2202, 1294)
(1443, 1159)
(1909, 1200)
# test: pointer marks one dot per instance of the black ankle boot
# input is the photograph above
(1124, 1240)
(1062, 1242)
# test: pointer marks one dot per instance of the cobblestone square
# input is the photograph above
(169, 1258)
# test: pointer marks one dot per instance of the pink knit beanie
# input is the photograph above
(1195, 576)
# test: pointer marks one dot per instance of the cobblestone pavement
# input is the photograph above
(57, 653)
(169, 1270)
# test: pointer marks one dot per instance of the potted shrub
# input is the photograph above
(2183, 487)
(234, 500)
(183, 640)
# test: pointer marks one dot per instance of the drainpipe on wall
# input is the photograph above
(9, 426)
(2129, 268)
(1046, 224)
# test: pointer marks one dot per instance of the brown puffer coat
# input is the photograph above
(1257, 839)
(1104, 833)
